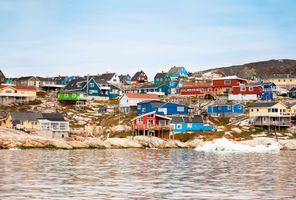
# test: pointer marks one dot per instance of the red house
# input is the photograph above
(140, 77)
(196, 90)
(247, 89)
(151, 124)
(225, 84)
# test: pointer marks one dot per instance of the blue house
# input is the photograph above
(162, 108)
(189, 124)
(226, 110)
(178, 72)
(292, 93)
(125, 79)
(268, 91)
(115, 92)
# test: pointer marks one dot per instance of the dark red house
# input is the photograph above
(151, 124)
(225, 84)
(247, 89)
(140, 77)
(196, 90)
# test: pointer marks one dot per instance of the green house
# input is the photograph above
(71, 96)
(161, 78)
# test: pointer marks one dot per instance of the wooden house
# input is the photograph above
(152, 124)
(189, 124)
(10, 93)
(246, 92)
(111, 78)
(2, 77)
(224, 85)
(125, 79)
(283, 80)
(129, 101)
(226, 110)
(140, 77)
(178, 72)
(51, 125)
(28, 81)
(270, 114)
(198, 89)
(161, 77)
(162, 108)
(269, 91)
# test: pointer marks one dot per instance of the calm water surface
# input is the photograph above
(145, 174)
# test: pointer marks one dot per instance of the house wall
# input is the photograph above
(243, 97)
(247, 90)
(166, 109)
(236, 108)
(283, 81)
(184, 127)
(263, 111)
(228, 82)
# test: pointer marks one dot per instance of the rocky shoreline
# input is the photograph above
(11, 139)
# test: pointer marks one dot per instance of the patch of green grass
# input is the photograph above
(245, 135)
(184, 137)
(220, 121)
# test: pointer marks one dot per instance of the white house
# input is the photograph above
(130, 100)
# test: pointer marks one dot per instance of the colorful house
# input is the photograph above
(111, 78)
(51, 125)
(125, 79)
(189, 124)
(246, 92)
(178, 72)
(162, 108)
(226, 110)
(292, 93)
(2, 77)
(199, 89)
(270, 114)
(140, 77)
(283, 80)
(10, 93)
(269, 91)
(129, 101)
(152, 124)
(161, 77)
(224, 85)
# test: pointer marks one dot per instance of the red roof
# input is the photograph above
(142, 96)
(19, 87)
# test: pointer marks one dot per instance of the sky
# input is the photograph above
(78, 37)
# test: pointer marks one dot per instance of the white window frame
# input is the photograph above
(179, 126)
(180, 109)
(189, 125)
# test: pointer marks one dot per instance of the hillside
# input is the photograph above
(262, 69)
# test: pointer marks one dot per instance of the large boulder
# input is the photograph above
(236, 130)
(288, 144)
(194, 143)
(151, 142)
(123, 143)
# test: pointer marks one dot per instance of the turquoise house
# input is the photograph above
(226, 110)
(178, 72)
(189, 124)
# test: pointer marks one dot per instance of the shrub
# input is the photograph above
(184, 137)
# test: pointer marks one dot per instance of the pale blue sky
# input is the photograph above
(79, 37)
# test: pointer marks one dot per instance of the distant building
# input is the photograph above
(246, 92)
(161, 77)
(162, 108)
(224, 85)
(125, 79)
(111, 78)
(2, 77)
(51, 125)
(140, 77)
(226, 110)
(283, 80)
(292, 93)
(178, 72)
(189, 124)
(129, 101)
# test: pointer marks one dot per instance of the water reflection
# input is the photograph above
(145, 174)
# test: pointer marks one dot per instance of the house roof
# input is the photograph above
(105, 76)
(153, 112)
(23, 78)
(124, 78)
(19, 87)
(226, 104)
(264, 104)
(283, 76)
(175, 70)
(154, 103)
(45, 79)
(137, 74)
(76, 84)
(293, 89)
(160, 75)
(195, 119)
(228, 78)
(34, 116)
(148, 86)
(141, 96)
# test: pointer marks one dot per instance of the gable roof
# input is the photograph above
(19, 87)
(124, 78)
(53, 116)
(160, 75)
(153, 112)
(141, 96)
(154, 103)
(293, 89)
(105, 76)
(76, 84)
(137, 74)
(196, 119)
(175, 70)
(24, 78)
(229, 78)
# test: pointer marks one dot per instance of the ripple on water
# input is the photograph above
(145, 174)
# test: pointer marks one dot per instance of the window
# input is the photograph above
(257, 110)
(252, 110)
(73, 95)
(179, 126)
(162, 123)
(209, 89)
(151, 116)
(189, 125)
(143, 109)
(251, 89)
(227, 82)
(140, 120)
(66, 95)
(91, 85)
(243, 89)
(279, 80)
(180, 109)
(150, 122)
(228, 107)
(269, 109)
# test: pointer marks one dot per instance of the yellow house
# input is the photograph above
(293, 109)
(16, 94)
(269, 114)
(283, 81)
(23, 120)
